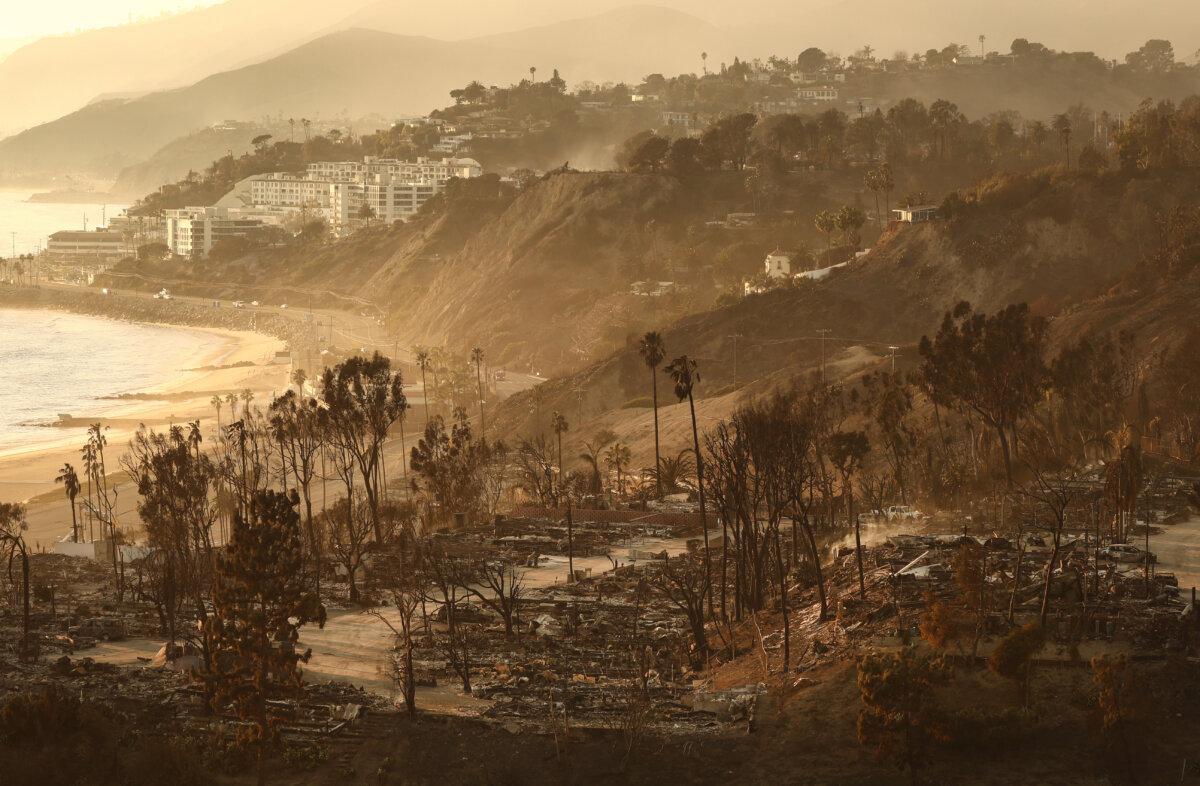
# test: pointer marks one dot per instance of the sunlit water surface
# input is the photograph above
(53, 363)
(24, 226)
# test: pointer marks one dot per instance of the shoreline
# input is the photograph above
(238, 360)
(139, 403)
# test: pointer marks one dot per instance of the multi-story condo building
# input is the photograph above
(280, 189)
(97, 244)
(422, 169)
(338, 190)
(192, 231)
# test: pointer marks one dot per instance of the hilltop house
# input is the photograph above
(778, 264)
(917, 214)
(817, 93)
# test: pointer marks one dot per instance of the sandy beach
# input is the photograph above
(237, 360)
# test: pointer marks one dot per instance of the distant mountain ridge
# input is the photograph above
(52, 76)
(354, 73)
(59, 74)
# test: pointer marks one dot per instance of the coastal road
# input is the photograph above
(1178, 551)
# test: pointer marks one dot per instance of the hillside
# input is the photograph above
(1034, 89)
(1065, 244)
(541, 278)
(192, 152)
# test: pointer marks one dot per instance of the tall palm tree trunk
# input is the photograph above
(425, 395)
(657, 456)
(700, 486)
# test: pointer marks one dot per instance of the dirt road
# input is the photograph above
(1178, 550)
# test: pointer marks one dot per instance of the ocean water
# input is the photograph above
(24, 226)
(53, 363)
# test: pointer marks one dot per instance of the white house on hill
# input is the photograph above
(778, 265)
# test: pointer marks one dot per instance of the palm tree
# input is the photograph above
(653, 351)
(247, 396)
(70, 481)
(685, 375)
(616, 458)
(675, 473)
(232, 400)
(477, 359)
(298, 379)
(559, 424)
(825, 222)
(886, 184)
(872, 183)
(423, 364)
(593, 452)
(217, 403)
(292, 130)
(704, 62)
(88, 454)
(533, 74)
(1062, 127)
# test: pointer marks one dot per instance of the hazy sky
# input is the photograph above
(46, 17)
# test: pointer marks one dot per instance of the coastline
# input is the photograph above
(238, 360)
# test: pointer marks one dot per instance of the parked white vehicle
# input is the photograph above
(902, 512)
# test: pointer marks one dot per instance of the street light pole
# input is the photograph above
(735, 337)
(823, 333)
(893, 349)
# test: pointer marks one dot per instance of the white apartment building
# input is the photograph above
(394, 189)
(422, 169)
(281, 189)
(390, 200)
(192, 231)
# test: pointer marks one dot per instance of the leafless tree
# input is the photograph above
(445, 577)
(684, 583)
(347, 522)
(499, 585)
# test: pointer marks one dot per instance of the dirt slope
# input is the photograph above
(1060, 243)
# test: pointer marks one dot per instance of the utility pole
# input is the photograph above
(893, 349)
(735, 337)
(823, 333)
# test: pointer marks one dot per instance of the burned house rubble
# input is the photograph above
(596, 641)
